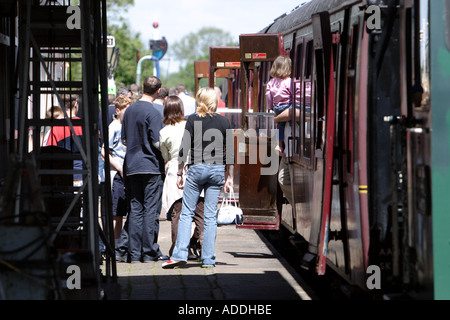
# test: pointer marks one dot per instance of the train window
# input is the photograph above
(264, 75)
(319, 102)
(298, 67)
(298, 63)
(307, 137)
(297, 120)
(303, 130)
(306, 101)
(335, 56)
(308, 58)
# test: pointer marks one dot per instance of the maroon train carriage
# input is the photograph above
(358, 157)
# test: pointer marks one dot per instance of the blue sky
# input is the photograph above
(178, 18)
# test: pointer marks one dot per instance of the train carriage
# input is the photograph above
(360, 146)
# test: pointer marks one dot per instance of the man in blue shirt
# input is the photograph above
(144, 170)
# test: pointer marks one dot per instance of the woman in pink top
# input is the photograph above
(278, 91)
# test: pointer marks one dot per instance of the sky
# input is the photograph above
(177, 18)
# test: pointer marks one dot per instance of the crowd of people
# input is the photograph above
(151, 141)
(151, 147)
(161, 164)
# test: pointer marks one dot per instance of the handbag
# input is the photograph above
(229, 213)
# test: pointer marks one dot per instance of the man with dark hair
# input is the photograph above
(144, 169)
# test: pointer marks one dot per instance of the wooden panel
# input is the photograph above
(261, 47)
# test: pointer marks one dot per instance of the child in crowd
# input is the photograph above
(116, 158)
(279, 93)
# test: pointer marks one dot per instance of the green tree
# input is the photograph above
(195, 46)
(117, 6)
(128, 42)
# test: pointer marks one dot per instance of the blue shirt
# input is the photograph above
(140, 129)
(116, 147)
(160, 108)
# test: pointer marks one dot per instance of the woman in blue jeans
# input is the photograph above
(205, 140)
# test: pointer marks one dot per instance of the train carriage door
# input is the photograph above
(259, 167)
(201, 70)
(224, 63)
(325, 78)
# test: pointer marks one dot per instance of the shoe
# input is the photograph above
(121, 258)
(192, 255)
(208, 266)
(170, 264)
(163, 258)
(194, 249)
(155, 259)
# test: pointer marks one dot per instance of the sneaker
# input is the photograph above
(155, 259)
(163, 258)
(170, 264)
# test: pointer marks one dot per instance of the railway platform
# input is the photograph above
(247, 268)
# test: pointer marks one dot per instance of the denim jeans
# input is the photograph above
(210, 178)
(279, 109)
(145, 206)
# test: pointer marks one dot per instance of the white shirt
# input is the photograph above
(170, 138)
(188, 103)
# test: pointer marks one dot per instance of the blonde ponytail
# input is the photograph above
(207, 101)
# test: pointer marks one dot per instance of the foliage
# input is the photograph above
(185, 75)
(116, 6)
(195, 46)
(128, 43)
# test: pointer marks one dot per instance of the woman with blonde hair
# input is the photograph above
(204, 138)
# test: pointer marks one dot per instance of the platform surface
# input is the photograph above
(247, 268)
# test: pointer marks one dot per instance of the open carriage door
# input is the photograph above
(224, 61)
(224, 66)
(325, 76)
(201, 70)
(258, 189)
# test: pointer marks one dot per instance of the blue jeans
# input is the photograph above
(145, 206)
(210, 178)
(279, 109)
